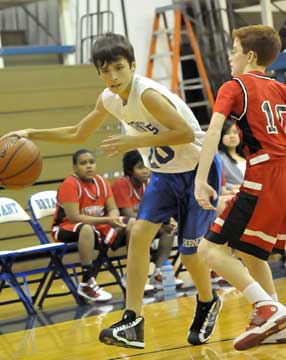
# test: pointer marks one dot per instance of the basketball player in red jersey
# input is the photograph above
(129, 189)
(128, 192)
(86, 213)
(256, 218)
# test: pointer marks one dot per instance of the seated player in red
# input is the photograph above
(86, 213)
(128, 191)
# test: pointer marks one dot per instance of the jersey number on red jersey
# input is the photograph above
(280, 110)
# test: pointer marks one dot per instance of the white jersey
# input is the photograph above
(136, 120)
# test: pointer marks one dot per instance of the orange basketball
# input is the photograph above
(20, 162)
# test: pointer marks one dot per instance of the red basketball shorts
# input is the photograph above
(255, 219)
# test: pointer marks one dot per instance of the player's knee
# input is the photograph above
(204, 250)
(130, 224)
(141, 236)
(136, 230)
(87, 232)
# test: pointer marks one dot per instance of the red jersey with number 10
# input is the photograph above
(258, 103)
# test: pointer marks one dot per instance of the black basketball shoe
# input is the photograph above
(204, 321)
(129, 332)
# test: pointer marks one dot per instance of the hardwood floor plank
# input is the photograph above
(166, 327)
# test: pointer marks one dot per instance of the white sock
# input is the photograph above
(254, 293)
(275, 297)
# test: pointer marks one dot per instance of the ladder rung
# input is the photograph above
(170, 53)
(192, 81)
(163, 9)
(187, 57)
(184, 32)
(192, 87)
(198, 104)
(163, 32)
(169, 31)
(160, 55)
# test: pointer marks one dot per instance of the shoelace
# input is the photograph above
(200, 315)
(121, 327)
(120, 324)
(252, 315)
(95, 287)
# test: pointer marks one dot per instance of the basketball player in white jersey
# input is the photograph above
(169, 138)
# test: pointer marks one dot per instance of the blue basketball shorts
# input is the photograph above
(172, 195)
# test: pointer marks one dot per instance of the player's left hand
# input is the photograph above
(117, 144)
(203, 194)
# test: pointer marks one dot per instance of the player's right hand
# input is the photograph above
(19, 133)
(117, 222)
(203, 194)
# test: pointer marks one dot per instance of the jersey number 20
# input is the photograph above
(162, 155)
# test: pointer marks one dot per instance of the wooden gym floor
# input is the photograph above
(166, 327)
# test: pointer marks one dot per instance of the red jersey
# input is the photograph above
(255, 218)
(258, 103)
(126, 195)
(91, 197)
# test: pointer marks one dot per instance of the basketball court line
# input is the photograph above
(169, 349)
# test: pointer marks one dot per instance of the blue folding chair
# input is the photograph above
(11, 211)
(42, 204)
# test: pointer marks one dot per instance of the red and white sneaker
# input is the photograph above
(278, 338)
(91, 291)
(147, 288)
(269, 318)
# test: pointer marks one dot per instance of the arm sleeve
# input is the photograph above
(229, 99)
(68, 192)
(121, 194)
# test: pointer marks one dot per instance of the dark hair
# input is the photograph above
(130, 159)
(111, 47)
(77, 154)
(262, 39)
(226, 126)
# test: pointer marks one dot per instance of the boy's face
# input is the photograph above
(140, 172)
(238, 60)
(117, 76)
(85, 166)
